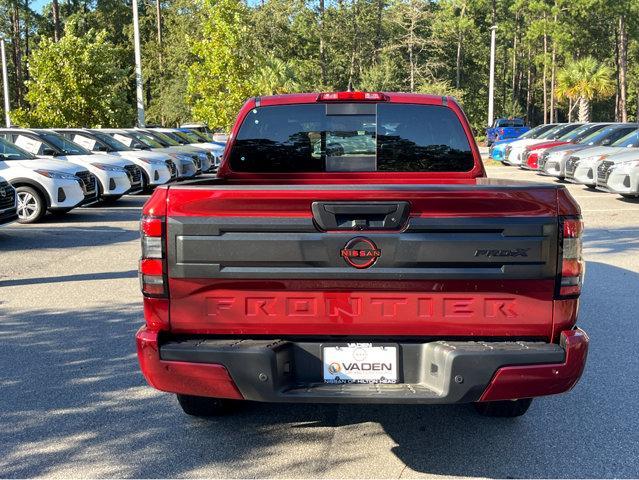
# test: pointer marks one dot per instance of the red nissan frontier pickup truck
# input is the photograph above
(352, 250)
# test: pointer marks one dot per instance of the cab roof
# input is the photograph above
(392, 97)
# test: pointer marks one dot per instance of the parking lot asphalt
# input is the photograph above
(73, 402)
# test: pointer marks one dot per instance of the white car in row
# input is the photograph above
(203, 159)
(621, 178)
(44, 184)
(619, 172)
(116, 176)
(581, 167)
(157, 168)
(187, 138)
(184, 162)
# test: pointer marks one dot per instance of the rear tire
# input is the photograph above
(205, 406)
(503, 408)
(110, 200)
(58, 212)
(145, 187)
(31, 205)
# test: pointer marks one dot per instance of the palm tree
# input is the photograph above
(274, 77)
(583, 81)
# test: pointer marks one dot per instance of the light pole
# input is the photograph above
(491, 81)
(5, 83)
(138, 66)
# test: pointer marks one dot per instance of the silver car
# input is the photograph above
(580, 167)
(552, 161)
(622, 178)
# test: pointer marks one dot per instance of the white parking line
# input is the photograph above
(594, 195)
(610, 210)
(99, 209)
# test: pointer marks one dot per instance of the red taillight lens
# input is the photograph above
(352, 97)
(151, 267)
(573, 228)
(572, 265)
(151, 226)
(570, 268)
(152, 264)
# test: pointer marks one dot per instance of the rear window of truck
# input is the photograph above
(351, 137)
(509, 123)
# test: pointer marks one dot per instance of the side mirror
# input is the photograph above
(49, 152)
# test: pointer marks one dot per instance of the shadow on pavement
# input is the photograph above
(70, 278)
(73, 401)
(89, 215)
(62, 237)
(614, 240)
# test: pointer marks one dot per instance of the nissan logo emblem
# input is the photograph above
(360, 252)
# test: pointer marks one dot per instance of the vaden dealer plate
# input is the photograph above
(360, 363)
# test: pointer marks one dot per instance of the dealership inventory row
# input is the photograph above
(57, 170)
(604, 156)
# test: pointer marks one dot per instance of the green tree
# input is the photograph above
(274, 76)
(77, 82)
(165, 70)
(220, 77)
(585, 80)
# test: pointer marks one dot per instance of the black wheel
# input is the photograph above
(205, 406)
(31, 206)
(629, 197)
(60, 211)
(110, 200)
(504, 408)
(144, 187)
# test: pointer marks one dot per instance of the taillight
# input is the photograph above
(571, 274)
(352, 96)
(153, 264)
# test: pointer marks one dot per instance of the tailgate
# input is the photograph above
(371, 260)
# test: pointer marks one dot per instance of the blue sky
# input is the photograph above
(38, 4)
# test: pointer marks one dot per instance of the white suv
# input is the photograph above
(193, 139)
(212, 151)
(8, 202)
(116, 176)
(42, 184)
(203, 159)
(623, 178)
(184, 163)
(156, 168)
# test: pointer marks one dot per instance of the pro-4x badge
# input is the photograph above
(516, 252)
(360, 252)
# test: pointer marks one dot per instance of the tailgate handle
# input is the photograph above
(360, 216)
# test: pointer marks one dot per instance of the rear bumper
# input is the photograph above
(433, 372)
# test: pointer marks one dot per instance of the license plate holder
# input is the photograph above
(360, 363)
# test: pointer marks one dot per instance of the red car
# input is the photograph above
(352, 250)
(530, 157)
